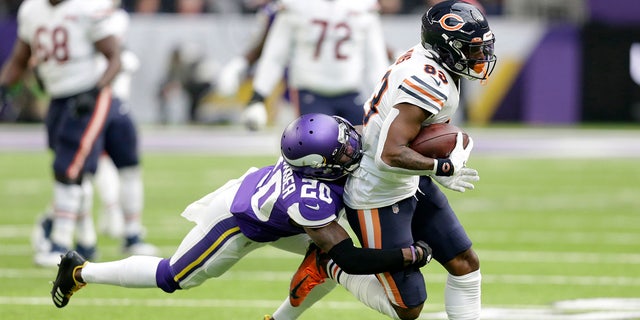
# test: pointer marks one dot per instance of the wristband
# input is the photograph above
(413, 254)
(444, 167)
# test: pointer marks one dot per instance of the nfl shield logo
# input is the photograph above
(395, 208)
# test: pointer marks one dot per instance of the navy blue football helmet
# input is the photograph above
(321, 146)
(460, 35)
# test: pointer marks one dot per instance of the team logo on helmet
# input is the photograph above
(451, 22)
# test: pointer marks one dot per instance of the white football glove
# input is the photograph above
(460, 181)
(460, 154)
(254, 116)
(231, 76)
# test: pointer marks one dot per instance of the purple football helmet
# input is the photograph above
(321, 146)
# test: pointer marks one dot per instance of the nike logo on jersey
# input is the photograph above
(438, 82)
(316, 207)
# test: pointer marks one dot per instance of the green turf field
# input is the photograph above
(545, 230)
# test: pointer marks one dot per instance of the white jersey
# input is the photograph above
(416, 79)
(62, 41)
(330, 46)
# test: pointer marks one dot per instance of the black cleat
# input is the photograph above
(66, 284)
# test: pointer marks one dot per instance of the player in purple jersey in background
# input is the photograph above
(287, 205)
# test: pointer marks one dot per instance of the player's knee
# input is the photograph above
(464, 263)
(408, 313)
(164, 277)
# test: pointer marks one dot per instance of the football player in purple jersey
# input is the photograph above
(287, 205)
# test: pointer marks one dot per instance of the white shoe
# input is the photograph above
(141, 249)
(254, 116)
(48, 259)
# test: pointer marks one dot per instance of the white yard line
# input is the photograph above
(584, 309)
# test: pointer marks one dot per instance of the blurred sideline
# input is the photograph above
(533, 142)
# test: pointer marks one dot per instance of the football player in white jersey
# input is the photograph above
(391, 198)
(333, 49)
(65, 40)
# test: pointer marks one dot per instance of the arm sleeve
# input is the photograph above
(354, 260)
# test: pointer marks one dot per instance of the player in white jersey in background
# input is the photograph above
(65, 41)
(121, 189)
(237, 70)
(391, 198)
(333, 50)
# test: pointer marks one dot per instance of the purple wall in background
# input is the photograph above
(552, 78)
(547, 89)
(615, 12)
(8, 29)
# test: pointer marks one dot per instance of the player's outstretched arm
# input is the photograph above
(335, 241)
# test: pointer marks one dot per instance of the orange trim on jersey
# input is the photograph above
(391, 289)
(370, 228)
(91, 132)
(424, 92)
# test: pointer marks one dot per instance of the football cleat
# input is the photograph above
(66, 284)
(310, 273)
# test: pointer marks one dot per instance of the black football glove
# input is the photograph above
(83, 103)
(424, 256)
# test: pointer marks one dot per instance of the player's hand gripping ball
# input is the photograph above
(437, 140)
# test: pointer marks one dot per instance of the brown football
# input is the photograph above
(437, 140)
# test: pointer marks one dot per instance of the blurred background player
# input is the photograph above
(237, 70)
(287, 205)
(119, 182)
(65, 53)
(333, 50)
(392, 196)
(119, 185)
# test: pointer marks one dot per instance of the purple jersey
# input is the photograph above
(275, 202)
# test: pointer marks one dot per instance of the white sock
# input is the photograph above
(85, 230)
(107, 183)
(288, 312)
(132, 199)
(132, 272)
(67, 201)
(365, 288)
(462, 296)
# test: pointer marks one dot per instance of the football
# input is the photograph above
(437, 140)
